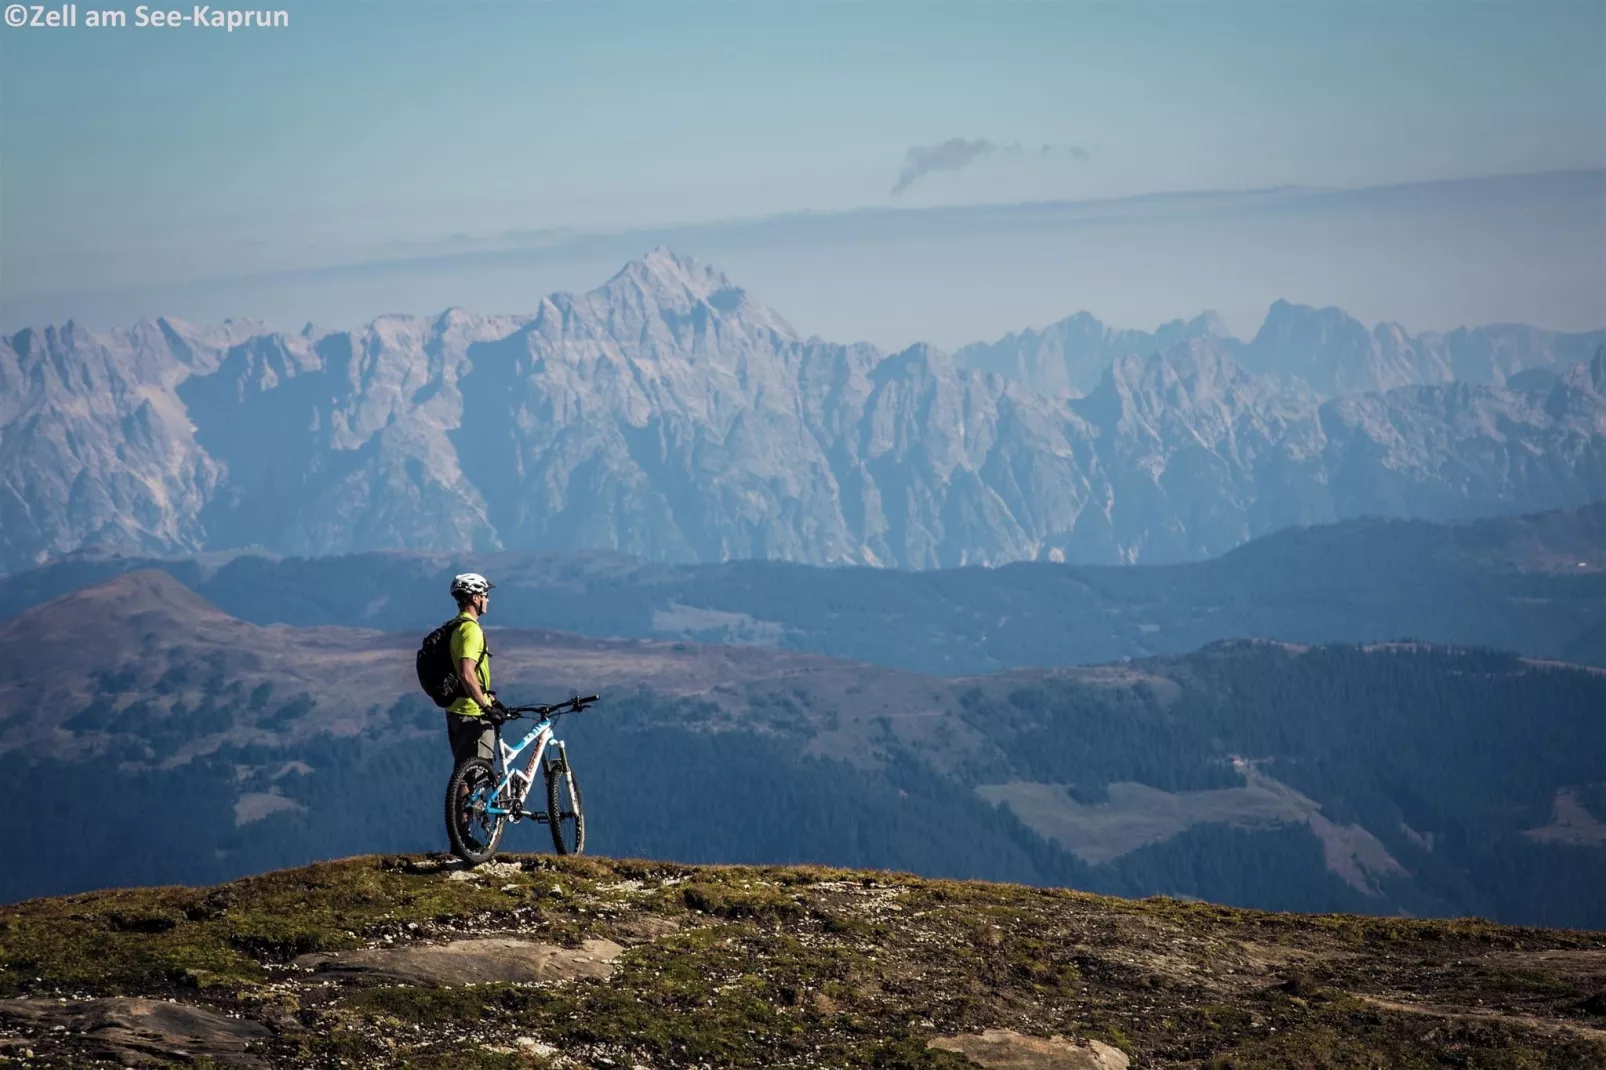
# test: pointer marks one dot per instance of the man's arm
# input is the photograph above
(468, 672)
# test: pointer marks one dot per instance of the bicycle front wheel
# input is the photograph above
(473, 831)
(565, 816)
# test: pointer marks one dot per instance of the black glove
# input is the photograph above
(496, 711)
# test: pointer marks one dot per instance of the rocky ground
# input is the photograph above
(535, 961)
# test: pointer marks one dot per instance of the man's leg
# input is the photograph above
(464, 742)
(455, 736)
(471, 737)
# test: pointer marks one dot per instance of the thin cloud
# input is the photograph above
(955, 154)
(958, 153)
(1075, 152)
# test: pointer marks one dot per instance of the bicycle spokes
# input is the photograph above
(475, 819)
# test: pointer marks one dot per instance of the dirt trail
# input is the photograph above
(1526, 1021)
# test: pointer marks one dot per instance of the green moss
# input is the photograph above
(426, 1006)
(806, 966)
(740, 901)
(1117, 1036)
(846, 924)
(1392, 1043)
(105, 942)
(724, 994)
(156, 939)
(1525, 981)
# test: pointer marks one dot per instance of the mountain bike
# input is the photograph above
(483, 795)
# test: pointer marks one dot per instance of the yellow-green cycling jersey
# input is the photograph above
(468, 641)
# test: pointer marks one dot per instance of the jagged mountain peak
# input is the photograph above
(392, 322)
(918, 359)
(1070, 356)
(69, 334)
(1335, 354)
(1195, 380)
(666, 274)
(456, 324)
(1392, 333)
(670, 414)
(1209, 322)
(1199, 358)
(232, 328)
(680, 286)
(1286, 321)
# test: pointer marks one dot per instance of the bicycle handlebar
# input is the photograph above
(570, 705)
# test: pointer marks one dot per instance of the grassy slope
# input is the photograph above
(805, 966)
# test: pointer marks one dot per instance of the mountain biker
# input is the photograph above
(467, 726)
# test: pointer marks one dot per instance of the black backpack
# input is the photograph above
(437, 670)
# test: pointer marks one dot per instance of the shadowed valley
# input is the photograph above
(181, 744)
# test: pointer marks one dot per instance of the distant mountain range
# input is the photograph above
(1324, 351)
(1534, 585)
(670, 415)
(179, 744)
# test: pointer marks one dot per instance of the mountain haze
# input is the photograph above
(1069, 357)
(669, 414)
(1534, 585)
(1322, 350)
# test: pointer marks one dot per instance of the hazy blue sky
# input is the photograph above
(151, 156)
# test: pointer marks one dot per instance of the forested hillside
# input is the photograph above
(177, 743)
(1535, 585)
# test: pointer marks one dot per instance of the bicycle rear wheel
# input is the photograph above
(474, 833)
(565, 816)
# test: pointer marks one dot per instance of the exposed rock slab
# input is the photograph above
(141, 1031)
(467, 962)
(1000, 1049)
(645, 929)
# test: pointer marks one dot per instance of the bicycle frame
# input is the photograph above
(540, 736)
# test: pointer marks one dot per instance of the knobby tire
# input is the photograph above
(556, 781)
(474, 843)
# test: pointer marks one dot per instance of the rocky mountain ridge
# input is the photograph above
(670, 415)
(1324, 351)
(534, 961)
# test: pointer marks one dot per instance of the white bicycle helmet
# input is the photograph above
(470, 585)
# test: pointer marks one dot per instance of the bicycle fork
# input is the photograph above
(568, 777)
